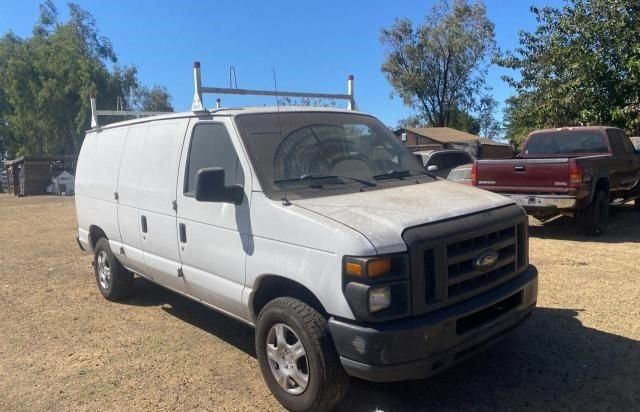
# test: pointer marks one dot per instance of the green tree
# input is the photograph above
(488, 125)
(46, 81)
(580, 66)
(156, 99)
(306, 101)
(438, 68)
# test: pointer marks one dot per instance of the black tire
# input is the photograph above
(120, 282)
(596, 216)
(636, 204)
(327, 380)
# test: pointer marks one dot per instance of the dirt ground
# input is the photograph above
(63, 347)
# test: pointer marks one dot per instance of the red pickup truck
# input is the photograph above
(572, 171)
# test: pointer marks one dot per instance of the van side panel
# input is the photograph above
(128, 182)
(96, 182)
(159, 160)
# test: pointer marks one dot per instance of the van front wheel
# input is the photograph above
(114, 281)
(297, 357)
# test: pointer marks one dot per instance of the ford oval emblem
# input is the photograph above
(486, 260)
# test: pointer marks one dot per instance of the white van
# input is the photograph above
(316, 226)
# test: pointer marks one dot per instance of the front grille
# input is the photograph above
(463, 277)
(443, 256)
(429, 276)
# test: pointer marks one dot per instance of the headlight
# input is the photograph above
(379, 298)
(377, 287)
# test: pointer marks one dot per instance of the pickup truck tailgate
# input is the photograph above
(523, 174)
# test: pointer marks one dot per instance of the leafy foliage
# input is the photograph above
(46, 81)
(580, 66)
(438, 68)
(306, 101)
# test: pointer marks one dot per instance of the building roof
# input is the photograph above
(449, 135)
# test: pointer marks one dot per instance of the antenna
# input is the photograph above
(233, 84)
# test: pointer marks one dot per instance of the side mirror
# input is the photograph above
(432, 168)
(210, 187)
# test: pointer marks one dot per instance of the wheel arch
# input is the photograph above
(269, 286)
(599, 183)
(95, 234)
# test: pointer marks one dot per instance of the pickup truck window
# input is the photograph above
(624, 142)
(566, 142)
(211, 147)
(295, 151)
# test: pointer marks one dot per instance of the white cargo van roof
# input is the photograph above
(229, 111)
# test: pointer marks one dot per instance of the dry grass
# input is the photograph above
(63, 347)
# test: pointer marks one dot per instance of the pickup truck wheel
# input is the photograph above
(114, 281)
(596, 216)
(297, 357)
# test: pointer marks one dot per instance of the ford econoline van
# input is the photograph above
(316, 226)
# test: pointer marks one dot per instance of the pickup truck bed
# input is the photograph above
(560, 183)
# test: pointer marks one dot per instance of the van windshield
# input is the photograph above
(308, 153)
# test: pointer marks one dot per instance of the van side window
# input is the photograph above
(211, 146)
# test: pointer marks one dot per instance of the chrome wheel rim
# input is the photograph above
(287, 359)
(104, 270)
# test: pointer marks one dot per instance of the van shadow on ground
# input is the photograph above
(551, 362)
(223, 327)
(624, 226)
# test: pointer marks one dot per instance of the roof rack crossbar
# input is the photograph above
(197, 105)
(95, 113)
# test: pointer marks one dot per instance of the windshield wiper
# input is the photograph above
(400, 174)
(309, 178)
(355, 179)
(320, 178)
(393, 174)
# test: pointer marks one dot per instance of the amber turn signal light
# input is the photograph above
(353, 269)
(378, 267)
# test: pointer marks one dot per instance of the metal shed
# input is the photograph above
(30, 175)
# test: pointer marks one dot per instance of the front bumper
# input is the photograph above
(420, 347)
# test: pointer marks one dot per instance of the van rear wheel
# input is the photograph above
(297, 357)
(114, 281)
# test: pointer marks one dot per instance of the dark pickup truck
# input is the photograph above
(573, 171)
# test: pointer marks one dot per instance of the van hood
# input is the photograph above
(382, 215)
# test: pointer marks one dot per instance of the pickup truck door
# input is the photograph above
(214, 238)
(624, 171)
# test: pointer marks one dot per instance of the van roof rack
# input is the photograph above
(95, 113)
(197, 105)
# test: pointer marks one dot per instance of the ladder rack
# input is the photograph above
(197, 105)
(95, 113)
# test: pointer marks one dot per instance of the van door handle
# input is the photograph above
(182, 228)
(143, 223)
(519, 168)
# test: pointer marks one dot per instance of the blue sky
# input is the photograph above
(313, 45)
